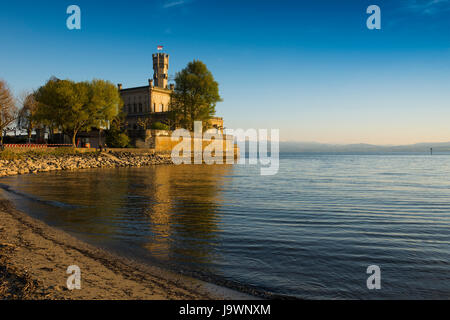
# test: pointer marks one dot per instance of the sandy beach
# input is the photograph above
(34, 258)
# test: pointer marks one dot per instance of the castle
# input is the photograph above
(151, 103)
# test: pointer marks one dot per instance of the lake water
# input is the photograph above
(310, 231)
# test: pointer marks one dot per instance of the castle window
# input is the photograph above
(140, 107)
(135, 108)
(161, 108)
(154, 107)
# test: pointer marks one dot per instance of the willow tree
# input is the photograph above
(195, 95)
(8, 108)
(77, 106)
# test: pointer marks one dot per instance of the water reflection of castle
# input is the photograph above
(171, 211)
(182, 213)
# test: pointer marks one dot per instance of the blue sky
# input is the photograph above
(310, 68)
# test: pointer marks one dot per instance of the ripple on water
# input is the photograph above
(311, 231)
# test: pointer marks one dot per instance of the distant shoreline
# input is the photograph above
(312, 147)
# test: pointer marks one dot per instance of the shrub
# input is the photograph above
(159, 126)
(117, 139)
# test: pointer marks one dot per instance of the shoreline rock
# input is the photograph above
(30, 164)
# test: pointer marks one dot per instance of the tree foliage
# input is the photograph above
(8, 109)
(77, 106)
(195, 96)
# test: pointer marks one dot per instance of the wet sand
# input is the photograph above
(34, 258)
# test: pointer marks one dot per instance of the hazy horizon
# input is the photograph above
(364, 143)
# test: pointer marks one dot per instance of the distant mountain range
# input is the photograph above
(362, 147)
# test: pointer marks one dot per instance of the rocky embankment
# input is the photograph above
(35, 163)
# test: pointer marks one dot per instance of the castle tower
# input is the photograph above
(161, 69)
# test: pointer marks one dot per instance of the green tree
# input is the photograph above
(195, 96)
(77, 106)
